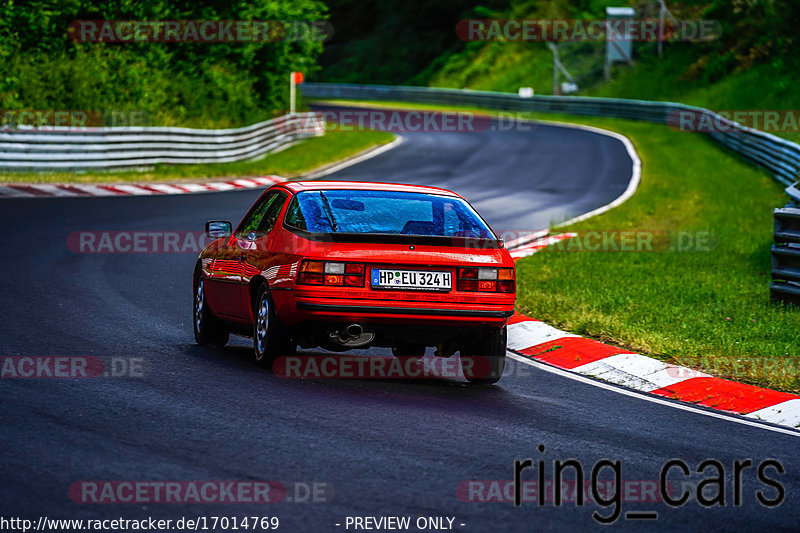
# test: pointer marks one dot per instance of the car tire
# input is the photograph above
(208, 330)
(484, 363)
(270, 338)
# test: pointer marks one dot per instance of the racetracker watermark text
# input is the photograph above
(200, 491)
(565, 30)
(409, 121)
(71, 367)
(70, 120)
(637, 241)
(198, 31)
(735, 121)
(193, 242)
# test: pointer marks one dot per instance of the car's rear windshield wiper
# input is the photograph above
(328, 211)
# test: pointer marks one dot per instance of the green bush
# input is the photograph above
(210, 84)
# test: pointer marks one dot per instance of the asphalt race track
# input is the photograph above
(383, 447)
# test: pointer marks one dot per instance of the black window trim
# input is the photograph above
(237, 232)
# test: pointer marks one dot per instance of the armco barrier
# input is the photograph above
(786, 251)
(778, 156)
(107, 148)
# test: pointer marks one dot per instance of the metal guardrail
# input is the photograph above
(107, 148)
(786, 251)
(778, 156)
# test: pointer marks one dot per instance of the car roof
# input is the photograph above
(297, 186)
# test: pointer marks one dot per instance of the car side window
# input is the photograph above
(294, 216)
(271, 215)
(262, 216)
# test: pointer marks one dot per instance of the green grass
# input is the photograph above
(294, 161)
(675, 78)
(708, 310)
(703, 309)
(497, 67)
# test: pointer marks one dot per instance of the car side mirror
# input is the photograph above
(218, 228)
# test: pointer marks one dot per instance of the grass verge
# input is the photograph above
(705, 308)
(294, 161)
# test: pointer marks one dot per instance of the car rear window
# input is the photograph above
(385, 212)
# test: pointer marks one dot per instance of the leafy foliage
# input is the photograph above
(392, 41)
(415, 42)
(175, 83)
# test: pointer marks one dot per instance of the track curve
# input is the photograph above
(523, 176)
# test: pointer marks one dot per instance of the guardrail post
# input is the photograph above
(785, 286)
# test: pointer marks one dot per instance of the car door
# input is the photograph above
(248, 248)
(224, 276)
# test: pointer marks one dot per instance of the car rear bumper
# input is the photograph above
(350, 309)
(395, 322)
(428, 309)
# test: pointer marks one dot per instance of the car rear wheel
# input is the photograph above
(483, 363)
(208, 331)
(270, 338)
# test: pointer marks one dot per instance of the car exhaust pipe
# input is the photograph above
(352, 336)
(354, 330)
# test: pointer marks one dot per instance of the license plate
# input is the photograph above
(411, 279)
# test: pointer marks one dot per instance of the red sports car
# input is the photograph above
(345, 265)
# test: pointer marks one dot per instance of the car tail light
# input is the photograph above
(355, 268)
(467, 273)
(487, 286)
(354, 274)
(312, 266)
(354, 281)
(506, 286)
(331, 273)
(311, 273)
(334, 268)
(487, 273)
(478, 279)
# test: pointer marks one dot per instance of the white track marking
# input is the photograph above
(354, 160)
(52, 190)
(637, 372)
(532, 333)
(520, 242)
(647, 398)
(784, 413)
(219, 186)
(132, 189)
(267, 180)
(194, 187)
(165, 188)
(539, 244)
(138, 189)
(93, 190)
(250, 184)
(10, 191)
